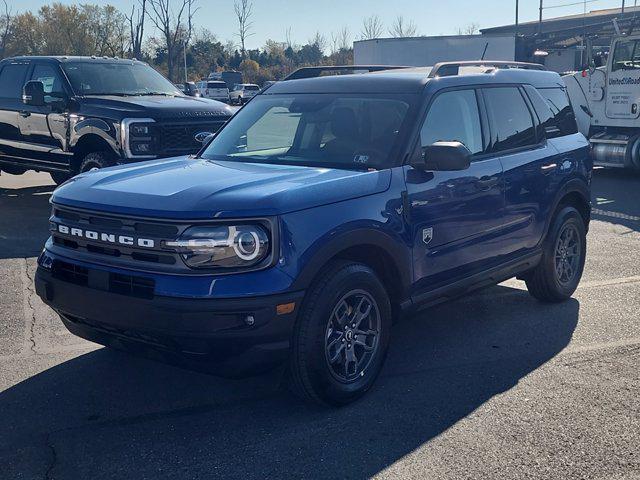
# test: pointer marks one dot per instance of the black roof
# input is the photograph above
(411, 80)
(71, 58)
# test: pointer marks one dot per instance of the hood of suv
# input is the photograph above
(186, 188)
(158, 106)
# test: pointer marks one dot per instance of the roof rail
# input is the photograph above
(446, 69)
(313, 72)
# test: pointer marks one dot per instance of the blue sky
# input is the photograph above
(273, 17)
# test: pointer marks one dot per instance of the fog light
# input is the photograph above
(249, 320)
(45, 261)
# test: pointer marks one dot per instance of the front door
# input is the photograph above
(454, 216)
(43, 129)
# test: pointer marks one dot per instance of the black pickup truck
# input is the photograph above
(66, 115)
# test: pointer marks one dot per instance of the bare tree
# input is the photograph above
(470, 29)
(175, 24)
(400, 29)
(136, 27)
(244, 11)
(6, 23)
(287, 36)
(319, 41)
(371, 28)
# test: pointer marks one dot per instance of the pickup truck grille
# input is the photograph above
(179, 139)
(116, 241)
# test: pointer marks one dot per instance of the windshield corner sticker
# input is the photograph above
(427, 235)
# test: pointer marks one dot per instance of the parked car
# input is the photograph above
(66, 115)
(243, 92)
(214, 89)
(190, 89)
(321, 211)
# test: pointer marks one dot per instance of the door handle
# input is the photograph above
(25, 114)
(487, 182)
(547, 168)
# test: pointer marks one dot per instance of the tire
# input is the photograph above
(60, 177)
(559, 272)
(12, 170)
(95, 160)
(338, 293)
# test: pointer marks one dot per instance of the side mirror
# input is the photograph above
(33, 93)
(444, 156)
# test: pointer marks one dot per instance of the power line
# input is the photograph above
(562, 5)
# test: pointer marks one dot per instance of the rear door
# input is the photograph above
(43, 129)
(456, 216)
(529, 164)
(12, 78)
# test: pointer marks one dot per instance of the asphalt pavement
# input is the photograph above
(495, 385)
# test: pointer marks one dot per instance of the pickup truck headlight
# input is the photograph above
(139, 136)
(222, 246)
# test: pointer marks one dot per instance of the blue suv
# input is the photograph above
(323, 210)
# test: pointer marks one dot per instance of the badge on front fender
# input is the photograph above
(427, 235)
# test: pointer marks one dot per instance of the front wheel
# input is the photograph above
(341, 336)
(95, 161)
(60, 177)
(557, 276)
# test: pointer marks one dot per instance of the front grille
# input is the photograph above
(179, 139)
(109, 250)
(129, 285)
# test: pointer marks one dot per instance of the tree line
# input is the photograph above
(161, 32)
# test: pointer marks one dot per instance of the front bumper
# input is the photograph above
(211, 335)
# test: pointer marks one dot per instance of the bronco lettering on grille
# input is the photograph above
(107, 237)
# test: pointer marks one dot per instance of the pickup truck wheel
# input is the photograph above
(341, 336)
(557, 276)
(10, 169)
(95, 160)
(60, 177)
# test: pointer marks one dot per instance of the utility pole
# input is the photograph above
(622, 7)
(516, 29)
(540, 20)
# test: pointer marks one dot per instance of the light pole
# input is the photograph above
(540, 19)
(185, 64)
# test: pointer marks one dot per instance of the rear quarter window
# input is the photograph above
(563, 119)
(510, 118)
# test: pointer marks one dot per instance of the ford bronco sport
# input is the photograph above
(323, 210)
(66, 115)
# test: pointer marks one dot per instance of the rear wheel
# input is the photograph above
(557, 276)
(341, 336)
(13, 170)
(95, 161)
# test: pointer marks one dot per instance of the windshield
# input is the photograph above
(325, 130)
(122, 78)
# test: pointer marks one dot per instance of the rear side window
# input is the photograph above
(12, 80)
(510, 119)
(454, 117)
(216, 85)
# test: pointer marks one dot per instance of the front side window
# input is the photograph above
(323, 130)
(121, 78)
(454, 116)
(626, 55)
(511, 121)
(12, 80)
(51, 80)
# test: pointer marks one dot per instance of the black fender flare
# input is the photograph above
(574, 185)
(398, 252)
(103, 129)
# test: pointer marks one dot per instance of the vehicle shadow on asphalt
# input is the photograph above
(105, 414)
(24, 220)
(616, 198)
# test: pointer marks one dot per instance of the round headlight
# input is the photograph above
(247, 245)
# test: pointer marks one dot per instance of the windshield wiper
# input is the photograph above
(148, 94)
